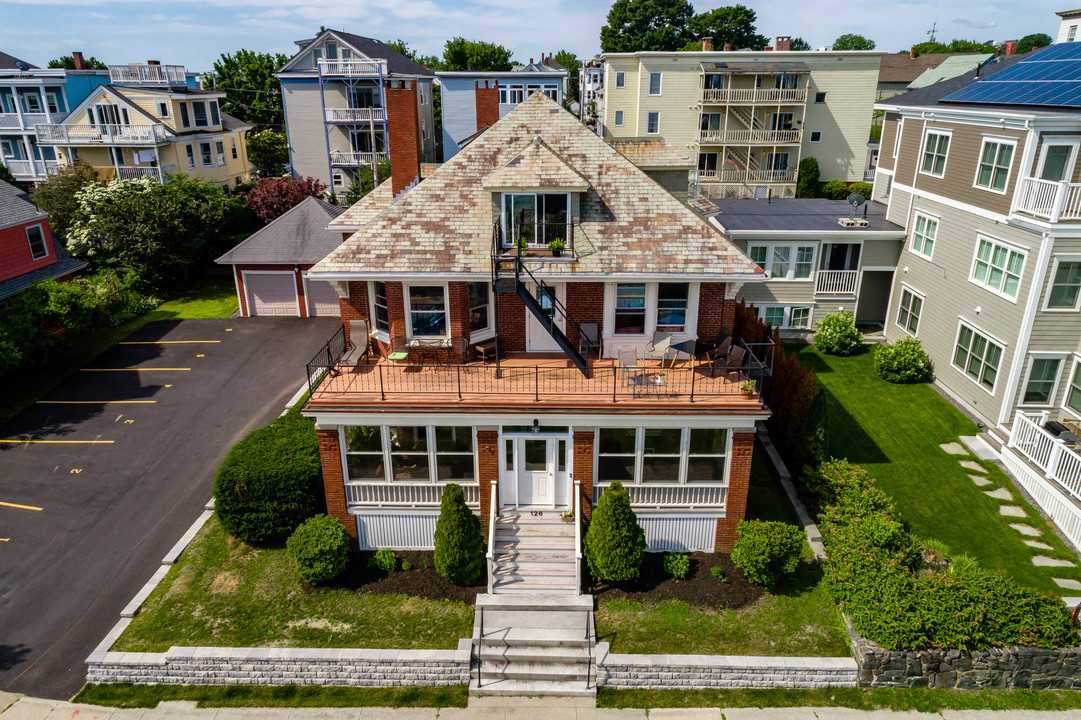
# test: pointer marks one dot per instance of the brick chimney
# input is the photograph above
(768, 48)
(403, 127)
(727, 47)
(487, 94)
(912, 53)
(80, 64)
(783, 43)
(707, 44)
(153, 62)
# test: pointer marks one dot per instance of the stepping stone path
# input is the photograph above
(1038, 545)
(1000, 494)
(980, 480)
(1067, 584)
(954, 448)
(1026, 530)
(1012, 511)
(1044, 561)
(973, 466)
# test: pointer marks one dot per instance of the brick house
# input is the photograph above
(483, 372)
(28, 250)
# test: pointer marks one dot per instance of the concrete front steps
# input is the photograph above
(534, 554)
(534, 644)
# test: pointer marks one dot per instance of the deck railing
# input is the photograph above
(27, 121)
(352, 68)
(59, 134)
(136, 74)
(31, 168)
(1048, 200)
(578, 538)
(747, 176)
(836, 282)
(374, 114)
(688, 496)
(326, 359)
(404, 494)
(754, 95)
(355, 159)
(749, 137)
(1047, 452)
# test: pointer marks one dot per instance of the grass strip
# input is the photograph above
(128, 695)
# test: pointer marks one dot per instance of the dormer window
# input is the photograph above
(332, 51)
(535, 218)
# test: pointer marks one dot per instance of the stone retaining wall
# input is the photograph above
(284, 666)
(1013, 667)
(667, 672)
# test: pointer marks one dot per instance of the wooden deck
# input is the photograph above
(531, 381)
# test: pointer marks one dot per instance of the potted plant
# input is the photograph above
(523, 245)
(556, 246)
(748, 388)
(567, 516)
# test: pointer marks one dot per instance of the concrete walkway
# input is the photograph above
(485, 709)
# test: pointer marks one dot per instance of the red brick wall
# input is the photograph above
(583, 468)
(511, 323)
(334, 481)
(458, 306)
(15, 257)
(403, 127)
(739, 479)
(396, 316)
(488, 467)
(298, 280)
(714, 312)
(487, 94)
(585, 303)
(354, 307)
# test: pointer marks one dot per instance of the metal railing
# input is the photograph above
(136, 74)
(59, 134)
(1049, 200)
(355, 159)
(327, 359)
(1047, 452)
(747, 176)
(578, 539)
(688, 496)
(352, 68)
(755, 95)
(404, 493)
(373, 114)
(836, 282)
(491, 550)
(537, 235)
(749, 137)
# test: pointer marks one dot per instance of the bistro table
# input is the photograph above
(428, 350)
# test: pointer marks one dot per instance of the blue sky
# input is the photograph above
(195, 32)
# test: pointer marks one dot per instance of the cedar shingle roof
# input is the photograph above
(629, 224)
(536, 166)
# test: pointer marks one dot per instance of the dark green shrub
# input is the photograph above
(406, 565)
(903, 362)
(718, 572)
(615, 542)
(459, 547)
(837, 334)
(863, 188)
(766, 551)
(270, 482)
(835, 190)
(807, 180)
(384, 560)
(677, 565)
(320, 548)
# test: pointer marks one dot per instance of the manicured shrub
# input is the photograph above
(807, 180)
(384, 560)
(766, 551)
(837, 334)
(835, 190)
(270, 482)
(615, 542)
(677, 565)
(863, 188)
(718, 572)
(320, 548)
(459, 547)
(903, 362)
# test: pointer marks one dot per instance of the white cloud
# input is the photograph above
(978, 24)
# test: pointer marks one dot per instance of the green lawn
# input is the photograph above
(127, 695)
(797, 618)
(895, 431)
(213, 296)
(225, 593)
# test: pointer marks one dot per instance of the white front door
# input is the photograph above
(537, 337)
(536, 472)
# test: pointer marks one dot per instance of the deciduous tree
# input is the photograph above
(57, 195)
(732, 25)
(851, 41)
(570, 61)
(268, 152)
(462, 54)
(273, 197)
(252, 93)
(644, 25)
(1036, 40)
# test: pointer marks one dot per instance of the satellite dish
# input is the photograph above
(855, 200)
(22, 65)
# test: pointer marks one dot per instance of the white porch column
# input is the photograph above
(18, 108)
(45, 103)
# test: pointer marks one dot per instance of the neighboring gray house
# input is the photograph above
(346, 98)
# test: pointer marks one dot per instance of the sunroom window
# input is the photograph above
(409, 453)
(630, 309)
(536, 219)
(428, 311)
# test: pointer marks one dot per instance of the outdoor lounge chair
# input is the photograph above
(589, 337)
(360, 344)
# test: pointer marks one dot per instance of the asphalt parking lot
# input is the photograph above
(103, 475)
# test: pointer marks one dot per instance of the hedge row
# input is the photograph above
(874, 572)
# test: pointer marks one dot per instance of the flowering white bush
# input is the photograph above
(837, 334)
(903, 362)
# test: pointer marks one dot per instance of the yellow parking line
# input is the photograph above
(5, 539)
(96, 402)
(61, 442)
(134, 369)
(21, 507)
(165, 342)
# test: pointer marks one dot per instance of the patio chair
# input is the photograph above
(659, 347)
(720, 352)
(628, 364)
(360, 344)
(707, 346)
(589, 336)
(734, 361)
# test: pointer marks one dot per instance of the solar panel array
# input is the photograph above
(1051, 77)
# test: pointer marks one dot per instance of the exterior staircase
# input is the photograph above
(534, 554)
(534, 644)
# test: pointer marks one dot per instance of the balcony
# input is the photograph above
(354, 115)
(750, 177)
(753, 96)
(836, 282)
(27, 121)
(749, 137)
(31, 169)
(355, 159)
(352, 68)
(58, 134)
(135, 74)
(536, 236)
(1056, 460)
(1049, 200)
(132, 172)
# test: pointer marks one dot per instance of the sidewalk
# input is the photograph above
(485, 709)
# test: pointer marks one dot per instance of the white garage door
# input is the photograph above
(271, 294)
(322, 299)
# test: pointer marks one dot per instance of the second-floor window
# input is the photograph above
(219, 149)
(977, 356)
(998, 267)
(427, 311)
(630, 312)
(1042, 378)
(185, 120)
(1073, 392)
(233, 141)
(36, 237)
(908, 314)
(654, 83)
(935, 148)
(672, 301)
(1065, 288)
(621, 79)
(205, 154)
(479, 303)
(379, 301)
(653, 123)
(199, 113)
(784, 262)
(619, 117)
(215, 117)
(923, 235)
(994, 168)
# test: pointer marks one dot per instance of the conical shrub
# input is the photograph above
(459, 547)
(615, 542)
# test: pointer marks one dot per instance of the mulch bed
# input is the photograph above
(419, 581)
(699, 589)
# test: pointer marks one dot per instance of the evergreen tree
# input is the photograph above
(459, 547)
(615, 542)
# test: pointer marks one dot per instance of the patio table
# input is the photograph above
(428, 350)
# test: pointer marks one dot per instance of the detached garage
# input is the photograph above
(270, 268)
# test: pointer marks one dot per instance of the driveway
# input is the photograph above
(120, 462)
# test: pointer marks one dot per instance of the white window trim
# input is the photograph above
(789, 277)
(489, 332)
(684, 454)
(185, 115)
(373, 331)
(1011, 248)
(44, 241)
(923, 153)
(1050, 282)
(649, 83)
(1032, 356)
(1073, 143)
(786, 323)
(612, 340)
(658, 114)
(409, 311)
(199, 155)
(897, 137)
(621, 75)
(618, 119)
(987, 336)
(811, 136)
(912, 240)
(923, 304)
(163, 106)
(1009, 170)
(1074, 368)
(388, 466)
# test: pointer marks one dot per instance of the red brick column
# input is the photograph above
(488, 467)
(355, 307)
(583, 467)
(511, 323)
(403, 127)
(334, 481)
(739, 480)
(487, 95)
(458, 307)
(714, 312)
(396, 316)
(585, 303)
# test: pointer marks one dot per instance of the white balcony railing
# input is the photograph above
(352, 68)
(869, 175)
(750, 137)
(669, 496)
(137, 74)
(836, 282)
(27, 121)
(355, 159)
(134, 172)
(1049, 200)
(31, 168)
(755, 95)
(404, 494)
(1057, 461)
(354, 114)
(58, 134)
(747, 176)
